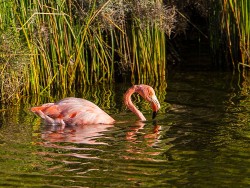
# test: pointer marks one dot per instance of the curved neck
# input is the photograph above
(130, 105)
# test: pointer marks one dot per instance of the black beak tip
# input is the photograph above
(154, 114)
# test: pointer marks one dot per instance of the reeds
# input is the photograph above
(50, 47)
(71, 44)
(234, 34)
(148, 39)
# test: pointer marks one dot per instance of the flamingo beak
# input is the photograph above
(154, 114)
(155, 106)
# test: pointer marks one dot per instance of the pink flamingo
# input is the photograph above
(76, 111)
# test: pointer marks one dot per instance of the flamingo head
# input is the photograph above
(148, 94)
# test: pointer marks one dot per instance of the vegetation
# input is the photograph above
(236, 23)
(58, 46)
(233, 37)
(75, 43)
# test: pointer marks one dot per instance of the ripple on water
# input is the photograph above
(202, 140)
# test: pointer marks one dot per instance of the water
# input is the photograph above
(200, 139)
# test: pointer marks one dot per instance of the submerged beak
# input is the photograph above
(155, 106)
(154, 114)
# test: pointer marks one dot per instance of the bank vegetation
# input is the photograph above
(49, 47)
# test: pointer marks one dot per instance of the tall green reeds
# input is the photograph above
(234, 33)
(73, 43)
(13, 55)
(49, 47)
(148, 39)
(68, 52)
(238, 27)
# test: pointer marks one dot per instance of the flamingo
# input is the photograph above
(77, 111)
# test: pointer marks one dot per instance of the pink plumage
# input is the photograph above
(77, 111)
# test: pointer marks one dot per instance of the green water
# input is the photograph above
(201, 139)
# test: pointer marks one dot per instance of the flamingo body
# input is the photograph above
(73, 111)
(77, 111)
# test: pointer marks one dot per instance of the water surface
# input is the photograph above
(200, 139)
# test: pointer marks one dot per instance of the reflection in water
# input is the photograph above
(87, 134)
(201, 141)
(95, 150)
(90, 134)
(151, 137)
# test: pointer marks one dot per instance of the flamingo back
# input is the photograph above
(73, 111)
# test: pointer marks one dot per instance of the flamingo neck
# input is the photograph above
(130, 105)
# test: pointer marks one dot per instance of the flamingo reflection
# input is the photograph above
(87, 134)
